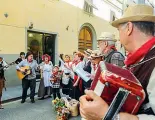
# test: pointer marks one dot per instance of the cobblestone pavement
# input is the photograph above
(41, 110)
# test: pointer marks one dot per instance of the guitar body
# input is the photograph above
(22, 75)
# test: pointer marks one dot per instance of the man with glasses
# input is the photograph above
(136, 31)
(106, 43)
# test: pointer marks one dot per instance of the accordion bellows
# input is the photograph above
(110, 79)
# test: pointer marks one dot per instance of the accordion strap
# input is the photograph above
(116, 104)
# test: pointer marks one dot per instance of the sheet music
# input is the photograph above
(83, 74)
(64, 67)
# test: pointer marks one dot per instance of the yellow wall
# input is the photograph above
(11, 40)
(47, 16)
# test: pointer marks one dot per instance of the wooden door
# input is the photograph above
(85, 39)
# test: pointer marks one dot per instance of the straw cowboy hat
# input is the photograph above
(136, 13)
(88, 52)
(106, 36)
(96, 54)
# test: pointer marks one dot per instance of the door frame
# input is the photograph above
(46, 32)
(94, 36)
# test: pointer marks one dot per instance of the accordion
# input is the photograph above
(119, 88)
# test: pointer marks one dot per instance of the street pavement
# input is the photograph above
(41, 110)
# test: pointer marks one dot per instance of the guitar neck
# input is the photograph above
(7, 65)
(4, 67)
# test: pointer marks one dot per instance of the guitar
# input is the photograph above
(22, 75)
(8, 65)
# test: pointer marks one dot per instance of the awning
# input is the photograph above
(91, 4)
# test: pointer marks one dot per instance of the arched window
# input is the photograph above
(85, 39)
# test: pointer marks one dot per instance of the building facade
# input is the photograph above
(53, 27)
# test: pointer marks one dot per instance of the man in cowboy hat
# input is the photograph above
(87, 54)
(87, 64)
(106, 43)
(96, 57)
(136, 30)
(87, 67)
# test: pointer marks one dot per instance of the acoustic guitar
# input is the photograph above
(22, 75)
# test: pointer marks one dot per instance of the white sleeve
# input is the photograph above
(151, 90)
(146, 117)
(151, 93)
(5, 64)
(20, 65)
(41, 65)
(36, 65)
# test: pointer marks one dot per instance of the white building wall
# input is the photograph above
(103, 8)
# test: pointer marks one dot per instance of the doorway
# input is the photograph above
(85, 39)
(41, 43)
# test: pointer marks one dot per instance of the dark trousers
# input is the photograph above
(87, 85)
(66, 89)
(75, 93)
(56, 92)
(1, 88)
(25, 85)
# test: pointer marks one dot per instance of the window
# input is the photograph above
(41, 43)
(85, 39)
(88, 8)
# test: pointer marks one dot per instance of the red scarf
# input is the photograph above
(136, 56)
(113, 47)
(76, 77)
(110, 47)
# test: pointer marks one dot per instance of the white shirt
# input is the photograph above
(4, 64)
(151, 95)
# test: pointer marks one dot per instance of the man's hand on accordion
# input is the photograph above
(93, 107)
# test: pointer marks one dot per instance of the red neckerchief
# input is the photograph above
(109, 48)
(113, 47)
(136, 56)
(46, 62)
(76, 77)
(55, 73)
(76, 62)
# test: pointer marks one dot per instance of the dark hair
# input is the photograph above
(22, 53)
(61, 56)
(145, 27)
(28, 54)
(67, 73)
(74, 52)
(67, 56)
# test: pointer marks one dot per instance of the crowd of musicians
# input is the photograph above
(75, 75)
